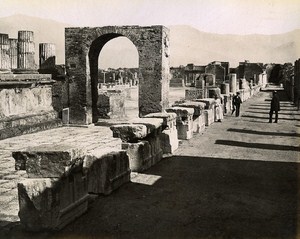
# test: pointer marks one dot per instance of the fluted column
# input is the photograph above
(26, 52)
(4, 54)
(47, 55)
(13, 53)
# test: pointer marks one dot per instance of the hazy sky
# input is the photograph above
(217, 16)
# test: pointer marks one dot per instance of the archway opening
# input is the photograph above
(114, 69)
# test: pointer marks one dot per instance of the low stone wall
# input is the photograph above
(61, 177)
(26, 104)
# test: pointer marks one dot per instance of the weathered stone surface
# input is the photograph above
(48, 160)
(181, 112)
(140, 155)
(82, 52)
(191, 94)
(196, 105)
(169, 136)
(50, 204)
(154, 125)
(184, 121)
(209, 116)
(208, 101)
(111, 104)
(129, 132)
(169, 119)
(169, 141)
(106, 170)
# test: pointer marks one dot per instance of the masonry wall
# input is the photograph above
(83, 46)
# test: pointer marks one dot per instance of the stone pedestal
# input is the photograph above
(169, 135)
(209, 116)
(26, 104)
(142, 141)
(184, 121)
(198, 123)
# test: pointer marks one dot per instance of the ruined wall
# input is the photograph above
(83, 46)
(218, 70)
(249, 71)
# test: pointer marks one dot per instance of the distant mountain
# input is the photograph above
(187, 44)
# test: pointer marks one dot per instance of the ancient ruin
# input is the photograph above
(61, 175)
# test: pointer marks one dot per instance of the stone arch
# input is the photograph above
(83, 46)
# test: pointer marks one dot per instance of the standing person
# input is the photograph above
(275, 107)
(237, 101)
(218, 109)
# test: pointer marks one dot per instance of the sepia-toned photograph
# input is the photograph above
(149, 119)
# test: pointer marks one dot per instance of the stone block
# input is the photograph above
(50, 204)
(129, 132)
(196, 105)
(209, 102)
(106, 171)
(140, 157)
(209, 116)
(184, 121)
(48, 161)
(196, 93)
(169, 119)
(199, 123)
(169, 141)
(111, 104)
(169, 136)
(154, 125)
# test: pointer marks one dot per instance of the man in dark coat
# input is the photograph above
(275, 107)
(237, 101)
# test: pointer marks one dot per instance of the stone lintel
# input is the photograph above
(48, 161)
(129, 132)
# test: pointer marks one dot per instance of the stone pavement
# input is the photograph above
(238, 179)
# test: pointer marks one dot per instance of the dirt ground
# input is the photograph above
(237, 179)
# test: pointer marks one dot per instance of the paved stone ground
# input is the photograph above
(238, 179)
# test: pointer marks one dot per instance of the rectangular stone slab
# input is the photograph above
(208, 101)
(47, 161)
(106, 170)
(129, 132)
(168, 118)
(152, 125)
(50, 204)
(197, 106)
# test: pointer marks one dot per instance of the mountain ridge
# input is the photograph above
(187, 44)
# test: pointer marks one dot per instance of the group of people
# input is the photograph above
(275, 106)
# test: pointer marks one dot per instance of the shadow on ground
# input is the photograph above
(197, 197)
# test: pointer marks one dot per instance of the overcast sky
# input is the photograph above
(216, 16)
